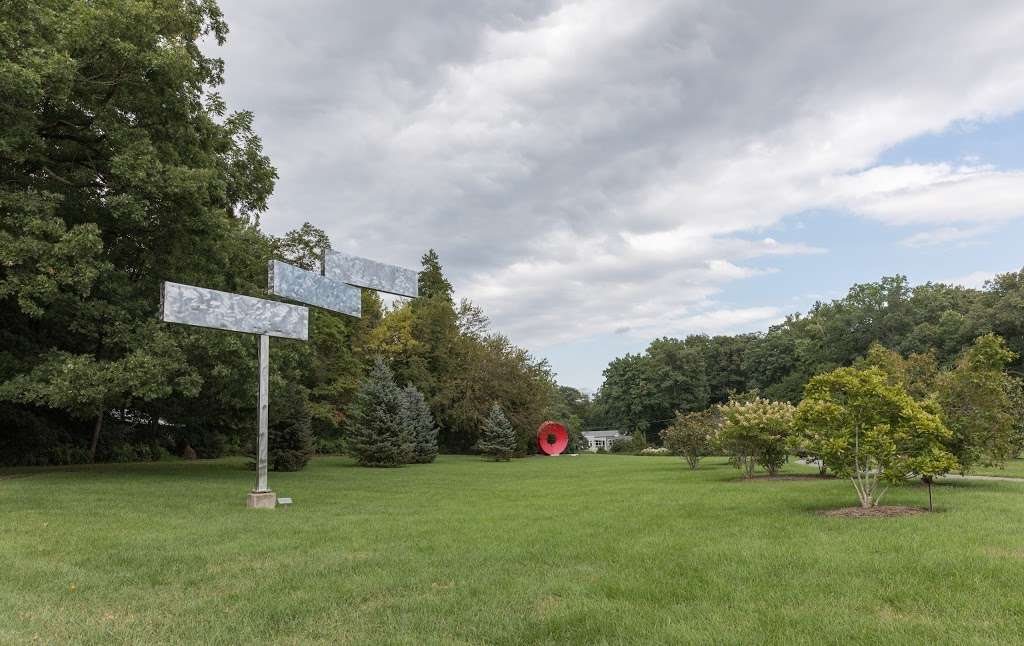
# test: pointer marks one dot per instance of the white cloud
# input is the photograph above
(731, 320)
(945, 235)
(933, 194)
(591, 166)
(974, 280)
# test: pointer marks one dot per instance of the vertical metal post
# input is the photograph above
(264, 410)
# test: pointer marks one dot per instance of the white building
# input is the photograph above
(601, 439)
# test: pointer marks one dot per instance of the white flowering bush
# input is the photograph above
(756, 433)
(652, 450)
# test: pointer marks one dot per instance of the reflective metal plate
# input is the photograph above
(311, 288)
(226, 311)
(371, 274)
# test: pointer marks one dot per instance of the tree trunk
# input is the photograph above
(96, 435)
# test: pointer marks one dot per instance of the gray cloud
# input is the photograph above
(613, 160)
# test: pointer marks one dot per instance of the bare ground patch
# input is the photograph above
(1004, 553)
(884, 511)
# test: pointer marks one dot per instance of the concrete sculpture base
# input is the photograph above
(261, 500)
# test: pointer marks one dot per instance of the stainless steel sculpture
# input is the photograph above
(337, 291)
(191, 305)
(371, 274)
(226, 311)
(313, 289)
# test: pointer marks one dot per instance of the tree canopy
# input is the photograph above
(122, 167)
(916, 332)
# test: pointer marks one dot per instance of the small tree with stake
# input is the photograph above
(871, 432)
(498, 438)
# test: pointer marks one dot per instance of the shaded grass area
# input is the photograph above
(589, 550)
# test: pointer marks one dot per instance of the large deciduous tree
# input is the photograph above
(642, 392)
(978, 404)
(120, 166)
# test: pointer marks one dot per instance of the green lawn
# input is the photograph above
(588, 550)
(1012, 469)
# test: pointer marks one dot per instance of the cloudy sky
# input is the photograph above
(595, 174)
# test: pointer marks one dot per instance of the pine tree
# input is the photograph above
(419, 425)
(434, 363)
(498, 439)
(375, 434)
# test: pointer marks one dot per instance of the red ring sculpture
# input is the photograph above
(552, 438)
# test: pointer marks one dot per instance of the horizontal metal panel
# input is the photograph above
(371, 274)
(226, 311)
(313, 289)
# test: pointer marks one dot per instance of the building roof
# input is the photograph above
(597, 434)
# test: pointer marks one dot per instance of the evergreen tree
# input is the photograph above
(290, 437)
(498, 439)
(432, 281)
(433, 364)
(419, 425)
(374, 430)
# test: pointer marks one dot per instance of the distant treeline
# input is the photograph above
(643, 391)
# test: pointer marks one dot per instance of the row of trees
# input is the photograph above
(390, 426)
(120, 167)
(877, 423)
(643, 391)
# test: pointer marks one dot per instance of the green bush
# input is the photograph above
(691, 434)
(290, 434)
(329, 446)
(577, 442)
(206, 444)
(621, 445)
(28, 438)
(289, 431)
(638, 441)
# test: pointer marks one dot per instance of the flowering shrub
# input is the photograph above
(756, 432)
(651, 450)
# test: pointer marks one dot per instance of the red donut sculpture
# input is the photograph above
(552, 438)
